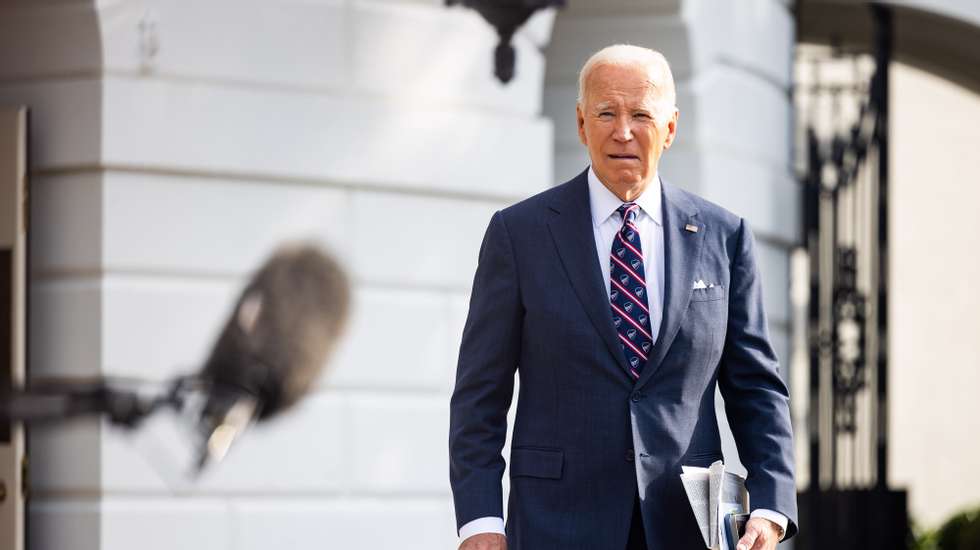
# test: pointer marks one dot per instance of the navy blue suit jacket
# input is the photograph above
(587, 438)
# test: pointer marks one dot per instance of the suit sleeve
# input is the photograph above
(488, 358)
(756, 398)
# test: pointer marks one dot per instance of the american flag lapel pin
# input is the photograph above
(691, 227)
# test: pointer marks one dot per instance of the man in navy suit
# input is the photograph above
(621, 301)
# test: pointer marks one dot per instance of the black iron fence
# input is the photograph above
(844, 103)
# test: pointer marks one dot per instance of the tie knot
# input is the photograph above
(628, 211)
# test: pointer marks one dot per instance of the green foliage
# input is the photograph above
(960, 532)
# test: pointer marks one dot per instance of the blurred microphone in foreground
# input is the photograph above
(275, 345)
(270, 353)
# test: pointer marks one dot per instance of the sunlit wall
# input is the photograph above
(935, 303)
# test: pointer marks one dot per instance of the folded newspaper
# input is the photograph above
(714, 494)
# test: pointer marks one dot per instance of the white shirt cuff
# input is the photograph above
(496, 525)
(775, 517)
(481, 525)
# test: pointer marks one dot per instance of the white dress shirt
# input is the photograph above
(605, 224)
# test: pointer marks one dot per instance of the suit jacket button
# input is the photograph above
(636, 397)
(629, 455)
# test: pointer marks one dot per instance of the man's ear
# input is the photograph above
(671, 129)
(580, 116)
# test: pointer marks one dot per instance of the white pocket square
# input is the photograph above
(699, 284)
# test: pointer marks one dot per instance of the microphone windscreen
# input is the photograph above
(283, 329)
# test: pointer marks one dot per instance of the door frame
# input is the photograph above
(13, 316)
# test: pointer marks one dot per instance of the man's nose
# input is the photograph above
(622, 131)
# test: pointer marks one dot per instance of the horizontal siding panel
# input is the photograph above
(399, 443)
(404, 240)
(410, 523)
(396, 339)
(213, 226)
(124, 524)
(252, 43)
(352, 141)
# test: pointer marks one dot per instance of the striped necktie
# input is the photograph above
(628, 291)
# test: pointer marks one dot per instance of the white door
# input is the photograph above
(13, 332)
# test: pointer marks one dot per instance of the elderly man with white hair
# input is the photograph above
(621, 302)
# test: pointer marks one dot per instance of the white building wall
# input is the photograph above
(174, 145)
(935, 307)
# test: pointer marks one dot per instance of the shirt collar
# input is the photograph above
(604, 203)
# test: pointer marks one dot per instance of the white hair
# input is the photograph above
(626, 55)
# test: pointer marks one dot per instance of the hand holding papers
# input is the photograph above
(714, 494)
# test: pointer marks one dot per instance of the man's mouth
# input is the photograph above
(624, 157)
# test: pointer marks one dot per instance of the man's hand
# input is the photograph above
(485, 541)
(760, 534)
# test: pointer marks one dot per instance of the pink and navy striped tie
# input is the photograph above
(628, 291)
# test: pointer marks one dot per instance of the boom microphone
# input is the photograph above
(271, 351)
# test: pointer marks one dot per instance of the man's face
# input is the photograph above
(617, 122)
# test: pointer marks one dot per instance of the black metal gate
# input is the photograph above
(848, 504)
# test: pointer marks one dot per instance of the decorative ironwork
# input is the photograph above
(844, 196)
(506, 16)
(850, 326)
(848, 504)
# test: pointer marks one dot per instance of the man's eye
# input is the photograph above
(605, 114)
(642, 116)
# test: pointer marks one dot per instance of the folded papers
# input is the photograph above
(714, 494)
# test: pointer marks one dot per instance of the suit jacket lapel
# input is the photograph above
(571, 229)
(682, 250)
